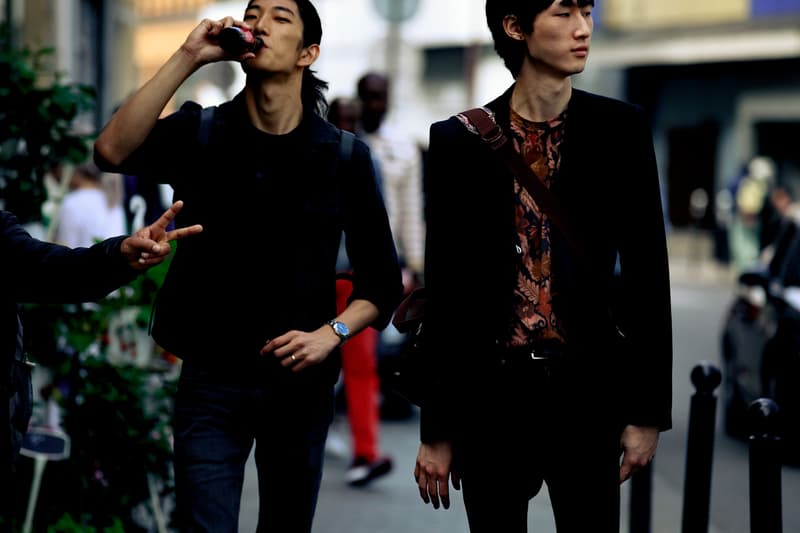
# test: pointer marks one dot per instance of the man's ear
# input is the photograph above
(511, 26)
(308, 55)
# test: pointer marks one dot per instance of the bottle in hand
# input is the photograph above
(237, 41)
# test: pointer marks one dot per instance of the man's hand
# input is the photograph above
(638, 445)
(433, 470)
(150, 245)
(300, 349)
(203, 45)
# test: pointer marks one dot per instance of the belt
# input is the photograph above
(521, 354)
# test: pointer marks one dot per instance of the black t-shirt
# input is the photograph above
(273, 209)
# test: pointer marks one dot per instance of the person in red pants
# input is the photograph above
(362, 394)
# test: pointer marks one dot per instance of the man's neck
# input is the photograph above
(538, 99)
(274, 106)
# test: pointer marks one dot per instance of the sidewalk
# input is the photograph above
(392, 504)
(691, 259)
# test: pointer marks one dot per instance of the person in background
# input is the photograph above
(143, 199)
(259, 337)
(400, 162)
(41, 272)
(359, 359)
(751, 207)
(532, 380)
(87, 214)
(401, 172)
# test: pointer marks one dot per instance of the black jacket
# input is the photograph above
(273, 210)
(609, 188)
(40, 272)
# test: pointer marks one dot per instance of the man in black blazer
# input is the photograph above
(535, 376)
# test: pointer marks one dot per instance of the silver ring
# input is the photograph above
(292, 357)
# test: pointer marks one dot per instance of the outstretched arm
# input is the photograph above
(135, 118)
(150, 245)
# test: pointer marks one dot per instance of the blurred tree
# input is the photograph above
(114, 390)
(37, 115)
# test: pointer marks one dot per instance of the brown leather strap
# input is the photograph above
(492, 135)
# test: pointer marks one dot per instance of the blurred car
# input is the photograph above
(761, 342)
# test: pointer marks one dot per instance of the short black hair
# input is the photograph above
(361, 85)
(513, 52)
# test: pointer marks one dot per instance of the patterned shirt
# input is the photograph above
(533, 318)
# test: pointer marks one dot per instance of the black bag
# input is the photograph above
(408, 375)
(17, 402)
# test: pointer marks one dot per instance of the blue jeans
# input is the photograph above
(216, 422)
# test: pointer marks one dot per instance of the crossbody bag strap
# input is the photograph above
(490, 132)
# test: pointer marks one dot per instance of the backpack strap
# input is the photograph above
(481, 121)
(346, 142)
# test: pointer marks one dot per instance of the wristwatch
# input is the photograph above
(341, 330)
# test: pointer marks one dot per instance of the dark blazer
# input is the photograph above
(41, 272)
(609, 188)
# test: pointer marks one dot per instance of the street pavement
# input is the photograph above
(392, 504)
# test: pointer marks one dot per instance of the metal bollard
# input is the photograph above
(765, 467)
(641, 500)
(700, 448)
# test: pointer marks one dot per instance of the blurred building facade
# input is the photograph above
(720, 80)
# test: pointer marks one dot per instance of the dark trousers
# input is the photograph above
(526, 429)
(216, 423)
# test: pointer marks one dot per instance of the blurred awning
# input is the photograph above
(739, 44)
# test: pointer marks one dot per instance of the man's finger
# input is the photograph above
(434, 492)
(444, 493)
(180, 233)
(168, 215)
(423, 488)
(624, 472)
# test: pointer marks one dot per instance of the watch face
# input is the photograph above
(341, 329)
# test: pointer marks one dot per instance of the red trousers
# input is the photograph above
(361, 384)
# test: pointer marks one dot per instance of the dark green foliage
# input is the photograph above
(36, 127)
(117, 414)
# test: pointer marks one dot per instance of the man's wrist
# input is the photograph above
(340, 329)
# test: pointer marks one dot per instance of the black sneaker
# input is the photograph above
(362, 471)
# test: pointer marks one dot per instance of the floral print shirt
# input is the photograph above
(533, 318)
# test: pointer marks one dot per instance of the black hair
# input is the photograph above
(361, 84)
(511, 51)
(313, 91)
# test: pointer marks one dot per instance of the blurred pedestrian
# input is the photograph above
(400, 162)
(143, 200)
(400, 167)
(258, 336)
(88, 213)
(359, 361)
(40, 272)
(531, 379)
(751, 200)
